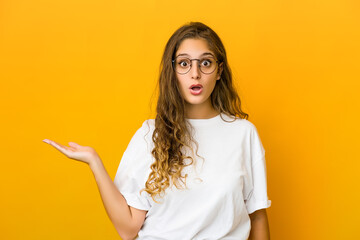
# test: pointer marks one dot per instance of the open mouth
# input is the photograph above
(196, 90)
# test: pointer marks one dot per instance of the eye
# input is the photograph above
(206, 62)
(183, 63)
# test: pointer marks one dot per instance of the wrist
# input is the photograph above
(95, 163)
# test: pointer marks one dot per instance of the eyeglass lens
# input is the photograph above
(184, 64)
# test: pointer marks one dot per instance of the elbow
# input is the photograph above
(126, 234)
(128, 229)
(126, 238)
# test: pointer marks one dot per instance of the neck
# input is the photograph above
(200, 112)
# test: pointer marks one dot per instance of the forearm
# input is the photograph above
(115, 204)
(259, 226)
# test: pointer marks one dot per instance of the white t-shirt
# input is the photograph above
(222, 190)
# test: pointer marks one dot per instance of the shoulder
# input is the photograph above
(143, 135)
(148, 126)
(149, 123)
(146, 130)
(237, 123)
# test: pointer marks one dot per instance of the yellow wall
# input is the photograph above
(85, 71)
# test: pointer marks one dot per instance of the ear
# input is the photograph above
(219, 72)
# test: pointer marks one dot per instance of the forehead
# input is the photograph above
(193, 47)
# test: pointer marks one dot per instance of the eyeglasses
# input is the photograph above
(182, 65)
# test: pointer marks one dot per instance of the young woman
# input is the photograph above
(198, 170)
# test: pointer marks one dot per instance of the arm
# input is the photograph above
(127, 220)
(259, 225)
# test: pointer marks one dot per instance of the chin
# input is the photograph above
(194, 102)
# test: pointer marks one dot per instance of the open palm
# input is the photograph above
(75, 151)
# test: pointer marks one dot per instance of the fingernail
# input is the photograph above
(45, 140)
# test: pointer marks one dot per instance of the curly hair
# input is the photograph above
(172, 132)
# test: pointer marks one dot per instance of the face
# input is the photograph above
(197, 49)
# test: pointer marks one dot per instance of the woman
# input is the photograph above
(163, 189)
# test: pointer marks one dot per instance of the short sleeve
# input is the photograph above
(257, 199)
(133, 170)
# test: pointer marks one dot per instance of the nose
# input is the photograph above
(195, 70)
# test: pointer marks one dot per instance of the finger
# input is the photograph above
(58, 146)
(74, 145)
(66, 147)
(70, 148)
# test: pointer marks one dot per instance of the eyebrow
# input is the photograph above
(204, 54)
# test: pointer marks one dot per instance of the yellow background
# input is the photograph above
(85, 71)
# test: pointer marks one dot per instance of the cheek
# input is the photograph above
(181, 82)
(212, 80)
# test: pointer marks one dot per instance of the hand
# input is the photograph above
(75, 151)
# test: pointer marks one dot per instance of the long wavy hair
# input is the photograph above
(172, 133)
